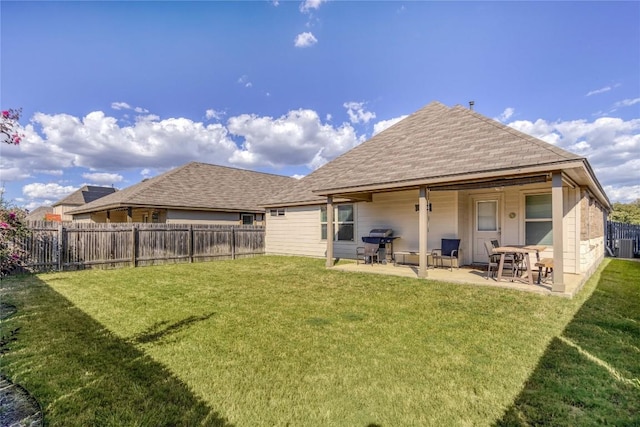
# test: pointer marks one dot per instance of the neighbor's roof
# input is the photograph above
(434, 143)
(38, 213)
(86, 194)
(196, 186)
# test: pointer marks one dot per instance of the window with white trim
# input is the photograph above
(276, 212)
(343, 223)
(538, 221)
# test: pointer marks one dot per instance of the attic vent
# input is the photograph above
(471, 104)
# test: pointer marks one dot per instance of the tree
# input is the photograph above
(13, 232)
(10, 126)
(628, 213)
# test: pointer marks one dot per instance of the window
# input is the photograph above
(343, 223)
(247, 219)
(487, 216)
(537, 220)
(276, 212)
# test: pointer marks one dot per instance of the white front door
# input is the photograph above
(486, 226)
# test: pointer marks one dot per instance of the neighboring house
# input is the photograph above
(192, 193)
(447, 173)
(39, 214)
(84, 195)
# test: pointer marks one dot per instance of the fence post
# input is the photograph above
(190, 242)
(60, 248)
(233, 242)
(134, 246)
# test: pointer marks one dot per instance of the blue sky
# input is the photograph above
(113, 92)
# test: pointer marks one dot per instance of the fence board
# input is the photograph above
(71, 246)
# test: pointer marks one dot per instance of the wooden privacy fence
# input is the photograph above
(621, 230)
(71, 246)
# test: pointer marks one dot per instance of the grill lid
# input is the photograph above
(381, 232)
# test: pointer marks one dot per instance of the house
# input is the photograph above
(39, 214)
(193, 193)
(80, 197)
(447, 173)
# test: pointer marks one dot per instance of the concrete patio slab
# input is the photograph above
(465, 275)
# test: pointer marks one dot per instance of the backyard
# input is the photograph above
(282, 341)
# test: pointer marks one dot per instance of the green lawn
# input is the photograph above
(282, 341)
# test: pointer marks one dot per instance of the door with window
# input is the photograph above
(486, 226)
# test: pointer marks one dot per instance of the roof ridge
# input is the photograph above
(239, 169)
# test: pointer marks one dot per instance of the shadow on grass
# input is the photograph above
(82, 374)
(160, 330)
(590, 374)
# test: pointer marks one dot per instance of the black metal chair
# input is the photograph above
(450, 250)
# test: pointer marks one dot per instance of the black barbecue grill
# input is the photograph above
(375, 244)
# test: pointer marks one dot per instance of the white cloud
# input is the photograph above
(357, 113)
(305, 39)
(598, 91)
(506, 114)
(612, 146)
(120, 106)
(385, 124)
(623, 194)
(54, 172)
(52, 191)
(298, 176)
(626, 103)
(103, 178)
(214, 114)
(244, 80)
(126, 106)
(307, 5)
(297, 138)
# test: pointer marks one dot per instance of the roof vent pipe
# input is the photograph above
(471, 104)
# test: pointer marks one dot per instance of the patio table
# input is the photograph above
(524, 250)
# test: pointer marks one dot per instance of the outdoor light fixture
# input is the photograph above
(429, 207)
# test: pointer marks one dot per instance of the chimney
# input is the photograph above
(471, 104)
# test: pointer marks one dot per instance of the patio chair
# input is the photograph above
(450, 250)
(494, 259)
(371, 252)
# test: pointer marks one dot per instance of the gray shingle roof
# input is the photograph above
(86, 194)
(434, 142)
(197, 186)
(38, 213)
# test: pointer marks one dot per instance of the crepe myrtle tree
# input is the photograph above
(12, 233)
(10, 127)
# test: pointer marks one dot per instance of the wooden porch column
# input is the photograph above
(108, 217)
(422, 231)
(330, 231)
(558, 240)
(129, 215)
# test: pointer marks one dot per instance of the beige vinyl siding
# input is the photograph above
(295, 233)
(397, 211)
(62, 211)
(298, 232)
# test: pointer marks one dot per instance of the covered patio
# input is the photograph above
(467, 275)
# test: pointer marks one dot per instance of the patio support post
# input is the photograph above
(330, 231)
(557, 214)
(422, 231)
(129, 214)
